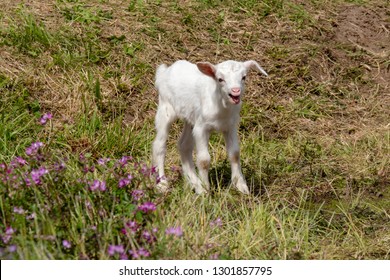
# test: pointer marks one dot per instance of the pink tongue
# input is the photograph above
(236, 99)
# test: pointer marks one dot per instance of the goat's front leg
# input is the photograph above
(201, 136)
(164, 117)
(233, 151)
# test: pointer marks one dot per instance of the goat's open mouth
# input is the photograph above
(234, 99)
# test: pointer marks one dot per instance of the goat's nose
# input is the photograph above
(236, 91)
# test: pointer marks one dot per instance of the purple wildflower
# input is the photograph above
(124, 160)
(103, 161)
(19, 210)
(87, 169)
(137, 194)
(214, 256)
(145, 170)
(36, 174)
(141, 252)
(113, 249)
(148, 237)
(102, 213)
(176, 231)
(153, 170)
(134, 254)
(27, 181)
(66, 244)
(88, 204)
(32, 216)
(45, 118)
(147, 207)
(18, 161)
(9, 231)
(59, 166)
(103, 186)
(6, 238)
(125, 181)
(123, 256)
(160, 178)
(216, 223)
(132, 225)
(12, 248)
(33, 149)
(82, 157)
(97, 185)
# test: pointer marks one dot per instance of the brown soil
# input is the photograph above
(367, 30)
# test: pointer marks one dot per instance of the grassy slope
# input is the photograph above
(314, 135)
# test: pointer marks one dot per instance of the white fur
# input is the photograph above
(199, 95)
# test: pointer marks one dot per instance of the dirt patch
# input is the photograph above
(365, 30)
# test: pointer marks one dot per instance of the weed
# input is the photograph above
(30, 36)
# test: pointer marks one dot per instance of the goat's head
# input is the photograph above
(230, 77)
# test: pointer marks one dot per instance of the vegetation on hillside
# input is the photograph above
(77, 105)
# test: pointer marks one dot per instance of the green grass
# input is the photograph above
(314, 135)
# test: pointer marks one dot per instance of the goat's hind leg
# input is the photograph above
(165, 116)
(186, 147)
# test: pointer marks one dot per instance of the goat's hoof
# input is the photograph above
(243, 188)
(162, 186)
(200, 190)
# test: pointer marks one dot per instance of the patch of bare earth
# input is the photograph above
(368, 30)
(355, 67)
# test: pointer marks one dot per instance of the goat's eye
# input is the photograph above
(243, 78)
(221, 80)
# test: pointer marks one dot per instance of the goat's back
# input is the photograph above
(182, 86)
(181, 77)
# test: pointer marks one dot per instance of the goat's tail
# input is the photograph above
(160, 73)
(161, 69)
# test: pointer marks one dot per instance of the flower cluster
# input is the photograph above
(132, 181)
(36, 176)
(33, 149)
(137, 194)
(175, 231)
(147, 207)
(141, 252)
(123, 182)
(34, 182)
(115, 249)
(9, 231)
(31, 170)
(97, 185)
(45, 117)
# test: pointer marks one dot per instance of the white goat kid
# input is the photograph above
(207, 97)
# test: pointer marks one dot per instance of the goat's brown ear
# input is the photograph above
(253, 64)
(207, 69)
